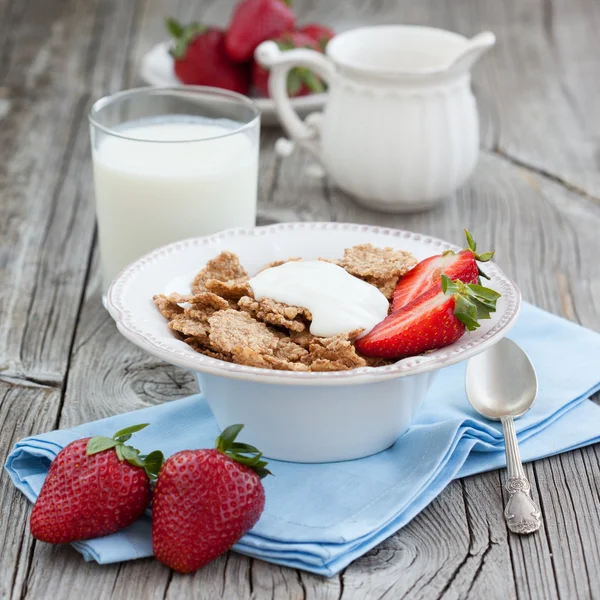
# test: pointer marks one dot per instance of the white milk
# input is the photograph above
(149, 193)
(338, 301)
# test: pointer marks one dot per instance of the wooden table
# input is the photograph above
(535, 196)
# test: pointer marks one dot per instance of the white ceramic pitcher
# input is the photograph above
(400, 128)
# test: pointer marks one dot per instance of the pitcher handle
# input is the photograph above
(305, 133)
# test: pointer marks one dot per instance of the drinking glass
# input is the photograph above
(170, 163)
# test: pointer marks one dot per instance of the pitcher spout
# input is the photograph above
(473, 50)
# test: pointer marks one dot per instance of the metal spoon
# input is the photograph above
(501, 385)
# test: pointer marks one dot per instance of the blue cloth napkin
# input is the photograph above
(321, 517)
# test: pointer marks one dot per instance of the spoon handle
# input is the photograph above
(521, 513)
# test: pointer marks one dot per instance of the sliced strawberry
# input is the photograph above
(428, 272)
(462, 266)
(435, 319)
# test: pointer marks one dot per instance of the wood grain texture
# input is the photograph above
(60, 55)
(25, 409)
(62, 361)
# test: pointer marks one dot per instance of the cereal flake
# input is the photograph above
(224, 267)
(230, 328)
(233, 289)
(167, 307)
(365, 260)
(276, 313)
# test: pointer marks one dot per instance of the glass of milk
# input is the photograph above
(171, 163)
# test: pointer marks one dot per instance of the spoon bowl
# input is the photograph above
(501, 382)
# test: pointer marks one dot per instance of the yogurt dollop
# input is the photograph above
(338, 301)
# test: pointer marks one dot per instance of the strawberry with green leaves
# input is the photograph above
(462, 265)
(94, 487)
(201, 59)
(301, 81)
(205, 501)
(436, 318)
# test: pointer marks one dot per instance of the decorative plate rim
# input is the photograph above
(472, 344)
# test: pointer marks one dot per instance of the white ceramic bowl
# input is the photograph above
(300, 417)
(157, 68)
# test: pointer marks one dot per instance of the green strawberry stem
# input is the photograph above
(151, 463)
(183, 35)
(472, 246)
(245, 454)
(478, 257)
(473, 301)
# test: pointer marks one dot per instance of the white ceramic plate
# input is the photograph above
(172, 267)
(157, 69)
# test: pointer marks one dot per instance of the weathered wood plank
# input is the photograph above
(574, 41)
(437, 555)
(568, 492)
(47, 219)
(538, 124)
(47, 213)
(25, 409)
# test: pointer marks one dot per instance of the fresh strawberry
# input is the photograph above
(427, 273)
(201, 59)
(435, 319)
(205, 501)
(253, 22)
(301, 81)
(95, 486)
(319, 33)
